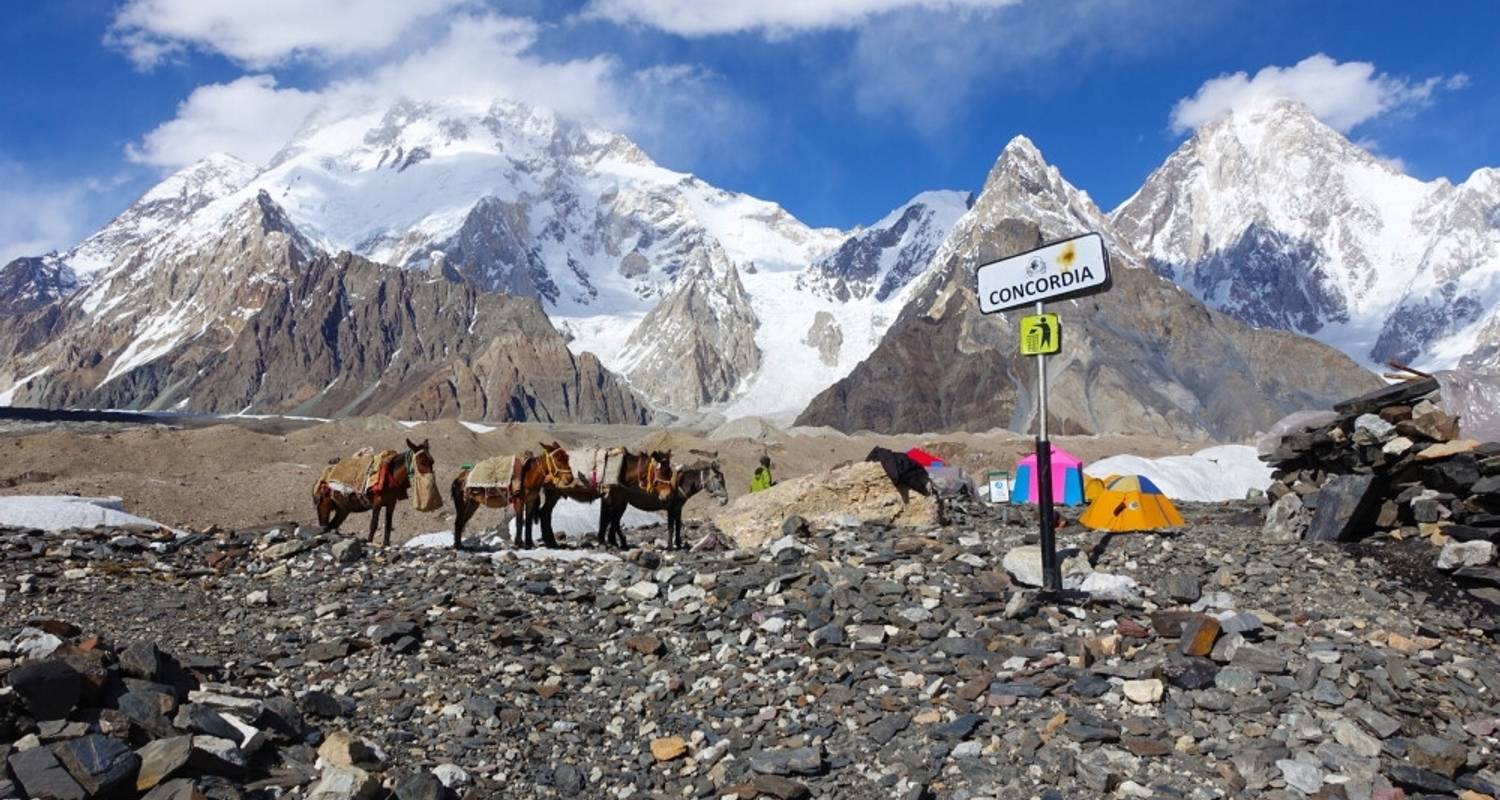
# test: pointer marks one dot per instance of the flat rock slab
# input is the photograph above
(1346, 506)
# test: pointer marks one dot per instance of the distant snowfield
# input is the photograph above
(1215, 474)
(61, 512)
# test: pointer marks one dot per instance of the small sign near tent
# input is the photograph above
(999, 482)
(1067, 479)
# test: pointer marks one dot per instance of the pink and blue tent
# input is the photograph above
(1067, 479)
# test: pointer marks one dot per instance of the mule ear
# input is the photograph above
(410, 446)
(426, 444)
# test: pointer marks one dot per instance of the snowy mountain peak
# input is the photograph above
(882, 259)
(160, 211)
(1276, 218)
(209, 178)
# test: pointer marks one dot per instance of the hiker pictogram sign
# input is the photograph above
(1041, 335)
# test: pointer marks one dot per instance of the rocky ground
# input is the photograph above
(851, 662)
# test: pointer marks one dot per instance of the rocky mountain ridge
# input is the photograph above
(1144, 357)
(258, 320)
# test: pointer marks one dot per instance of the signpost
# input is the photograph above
(1062, 270)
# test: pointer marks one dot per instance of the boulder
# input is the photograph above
(1457, 554)
(50, 689)
(42, 775)
(1285, 521)
(1106, 587)
(1396, 394)
(1371, 429)
(859, 491)
(103, 766)
(161, 758)
(345, 783)
(344, 749)
(1025, 566)
(1347, 505)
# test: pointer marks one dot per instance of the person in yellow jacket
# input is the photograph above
(762, 480)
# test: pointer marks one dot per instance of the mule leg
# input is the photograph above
(339, 515)
(674, 526)
(529, 510)
(615, 518)
(463, 509)
(324, 515)
(603, 535)
(374, 521)
(390, 511)
(544, 511)
(519, 540)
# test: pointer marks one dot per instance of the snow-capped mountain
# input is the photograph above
(1145, 357)
(701, 297)
(1277, 219)
(882, 259)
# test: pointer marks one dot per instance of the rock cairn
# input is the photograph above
(1392, 462)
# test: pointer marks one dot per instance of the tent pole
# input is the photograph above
(1051, 571)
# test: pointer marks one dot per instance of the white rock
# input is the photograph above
(1303, 777)
(685, 592)
(1148, 690)
(1370, 429)
(1465, 554)
(643, 591)
(784, 543)
(1397, 446)
(258, 597)
(1111, 588)
(35, 643)
(1025, 565)
(451, 775)
(969, 749)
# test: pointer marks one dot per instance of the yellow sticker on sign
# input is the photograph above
(1041, 335)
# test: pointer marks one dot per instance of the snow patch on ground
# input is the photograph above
(570, 517)
(1226, 472)
(477, 427)
(60, 512)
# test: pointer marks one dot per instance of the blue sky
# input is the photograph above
(839, 109)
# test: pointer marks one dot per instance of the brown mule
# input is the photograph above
(637, 472)
(535, 472)
(414, 468)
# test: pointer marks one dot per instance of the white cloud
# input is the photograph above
(39, 215)
(250, 118)
(262, 33)
(926, 69)
(773, 17)
(480, 58)
(1343, 95)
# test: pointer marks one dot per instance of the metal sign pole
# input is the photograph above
(1051, 572)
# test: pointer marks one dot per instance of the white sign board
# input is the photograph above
(999, 487)
(1069, 268)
